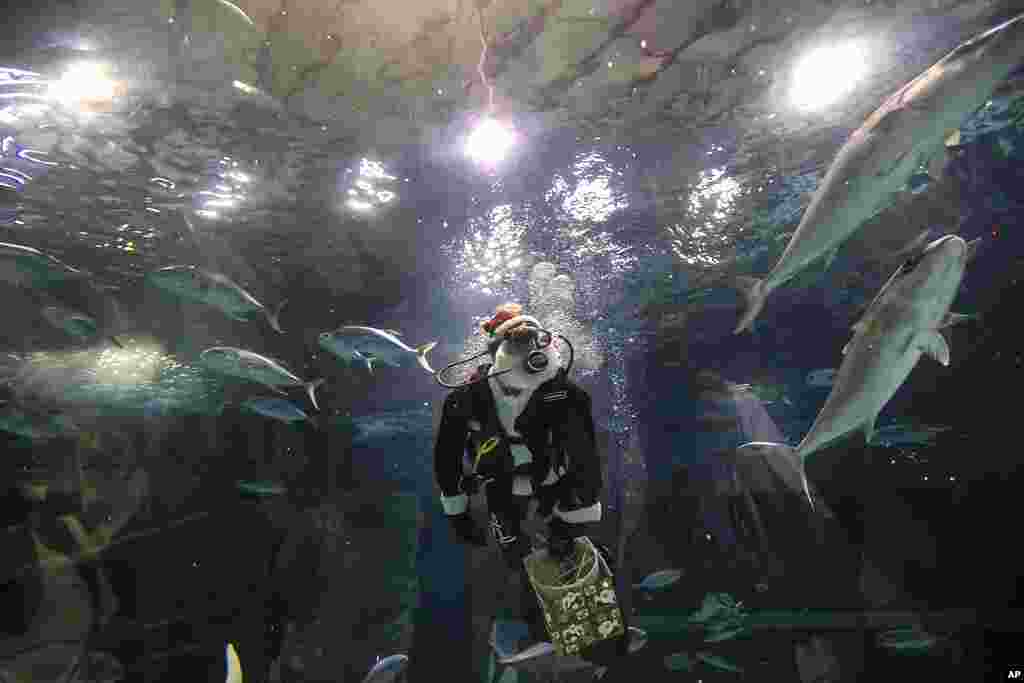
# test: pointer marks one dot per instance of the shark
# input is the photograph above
(902, 324)
(877, 160)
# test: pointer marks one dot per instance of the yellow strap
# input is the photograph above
(485, 448)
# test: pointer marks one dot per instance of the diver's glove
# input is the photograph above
(560, 541)
(467, 530)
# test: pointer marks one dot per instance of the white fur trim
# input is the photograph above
(523, 486)
(590, 513)
(512, 322)
(455, 505)
(520, 454)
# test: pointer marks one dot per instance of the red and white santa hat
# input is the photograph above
(506, 317)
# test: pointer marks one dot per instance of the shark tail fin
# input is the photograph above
(791, 456)
(754, 294)
(311, 388)
(273, 317)
(421, 356)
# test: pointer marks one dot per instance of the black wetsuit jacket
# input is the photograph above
(557, 427)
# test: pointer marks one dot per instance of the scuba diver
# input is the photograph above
(528, 433)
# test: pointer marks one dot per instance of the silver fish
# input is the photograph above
(277, 409)
(369, 344)
(875, 163)
(216, 290)
(249, 365)
(25, 266)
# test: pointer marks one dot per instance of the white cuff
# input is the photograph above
(455, 505)
(591, 513)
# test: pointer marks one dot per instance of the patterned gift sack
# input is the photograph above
(577, 596)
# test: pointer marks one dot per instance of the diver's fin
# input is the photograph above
(274, 317)
(311, 388)
(932, 343)
(752, 290)
(421, 356)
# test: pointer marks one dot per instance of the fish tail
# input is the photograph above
(273, 317)
(793, 457)
(421, 356)
(754, 294)
(311, 388)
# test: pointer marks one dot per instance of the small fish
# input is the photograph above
(716, 662)
(277, 409)
(680, 661)
(821, 378)
(261, 488)
(659, 580)
(907, 640)
(79, 325)
(387, 670)
(726, 632)
(214, 289)
(358, 343)
(251, 366)
(234, 665)
(24, 266)
(40, 425)
(907, 434)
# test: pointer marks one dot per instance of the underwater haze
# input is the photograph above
(244, 244)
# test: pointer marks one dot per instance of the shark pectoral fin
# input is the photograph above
(869, 429)
(847, 347)
(932, 343)
(972, 249)
(954, 319)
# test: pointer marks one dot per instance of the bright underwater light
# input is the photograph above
(826, 74)
(489, 142)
